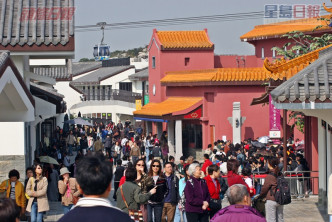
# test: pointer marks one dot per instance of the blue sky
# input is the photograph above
(225, 35)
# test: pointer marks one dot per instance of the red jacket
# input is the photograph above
(214, 192)
(206, 164)
(233, 178)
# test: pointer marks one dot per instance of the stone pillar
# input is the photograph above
(178, 139)
(236, 122)
(154, 128)
(171, 138)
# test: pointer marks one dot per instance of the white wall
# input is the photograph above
(71, 96)
(12, 138)
(140, 65)
(121, 77)
(116, 107)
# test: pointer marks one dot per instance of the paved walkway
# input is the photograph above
(300, 210)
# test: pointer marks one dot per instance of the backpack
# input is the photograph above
(282, 191)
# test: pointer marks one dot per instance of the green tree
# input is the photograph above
(301, 44)
(86, 60)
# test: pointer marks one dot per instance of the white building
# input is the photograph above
(25, 108)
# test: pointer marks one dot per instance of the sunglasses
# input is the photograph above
(156, 166)
(140, 165)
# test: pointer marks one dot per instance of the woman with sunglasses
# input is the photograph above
(156, 201)
(143, 181)
(37, 190)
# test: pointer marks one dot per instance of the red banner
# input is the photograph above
(194, 115)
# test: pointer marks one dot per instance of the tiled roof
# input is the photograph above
(287, 69)
(84, 67)
(47, 89)
(56, 72)
(17, 26)
(143, 74)
(100, 74)
(216, 75)
(312, 84)
(274, 30)
(184, 40)
(169, 106)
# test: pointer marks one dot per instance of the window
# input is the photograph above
(263, 53)
(273, 53)
(186, 61)
(153, 62)
(127, 86)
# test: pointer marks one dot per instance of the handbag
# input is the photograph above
(26, 194)
(215, 204)
(135, 215)
(3, 193)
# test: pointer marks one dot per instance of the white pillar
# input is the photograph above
(322, 163)
(171, 138)
(178, 139)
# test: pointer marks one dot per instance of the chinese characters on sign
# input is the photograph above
(277, 12)
(274, 120)
(43, 13)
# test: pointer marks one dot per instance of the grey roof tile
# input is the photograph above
(55, 72)
(312, 84)
(83, 67)
(16, 27)
(102, 73)
(47, 89)
(141, 74)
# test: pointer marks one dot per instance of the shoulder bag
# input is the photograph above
(135, 215)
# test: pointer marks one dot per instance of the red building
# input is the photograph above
(191, 91)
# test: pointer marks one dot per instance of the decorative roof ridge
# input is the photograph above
(279, 68)
(4, 55)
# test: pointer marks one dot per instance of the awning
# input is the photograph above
(173, 106)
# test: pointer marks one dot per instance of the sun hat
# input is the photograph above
(64, 170)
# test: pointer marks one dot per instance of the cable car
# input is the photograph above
(101, 51)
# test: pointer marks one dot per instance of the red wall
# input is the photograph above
(257, 117)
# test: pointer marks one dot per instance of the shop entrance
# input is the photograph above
(191, 137)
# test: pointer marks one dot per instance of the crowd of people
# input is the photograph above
(148, 184)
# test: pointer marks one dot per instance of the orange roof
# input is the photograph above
(216, 75)
(184, 40)
(287, 69)
(169, 106)
(280, 28)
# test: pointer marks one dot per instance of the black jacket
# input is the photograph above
(83, 143)
(175, 197)
(118, 173)
(159, 196)
(108, 142)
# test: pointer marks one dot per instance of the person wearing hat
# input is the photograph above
(68, 188)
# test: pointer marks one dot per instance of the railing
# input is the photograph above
(113, 94)
(300, 182)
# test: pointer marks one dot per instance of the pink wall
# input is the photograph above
(173, 61)
(257, 119)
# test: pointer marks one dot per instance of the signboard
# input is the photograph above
(146, 99)
(275, 134)
(138, 103)
(109, 115)
(274, 115)
(194, 115)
